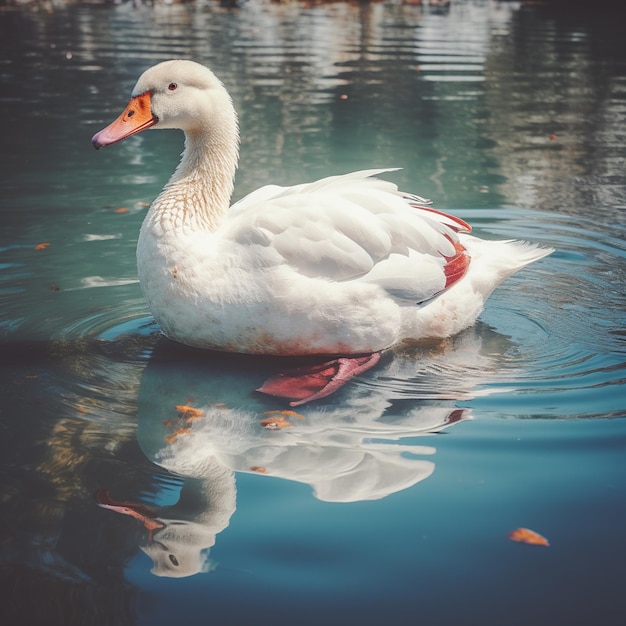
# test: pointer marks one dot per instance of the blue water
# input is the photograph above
(390, 501)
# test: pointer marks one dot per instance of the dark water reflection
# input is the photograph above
(383, 502)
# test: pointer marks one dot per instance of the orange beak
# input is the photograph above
(137, 116)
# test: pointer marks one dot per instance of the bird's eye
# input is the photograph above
(174, 560)
(172, 86)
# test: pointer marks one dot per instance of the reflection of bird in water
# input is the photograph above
(344, 460)
(348, 265)
(179, 536)
(204, 508)
(195, 421)
(345, 455)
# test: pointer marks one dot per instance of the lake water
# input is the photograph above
(391, 501)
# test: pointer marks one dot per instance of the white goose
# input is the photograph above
(346, 266)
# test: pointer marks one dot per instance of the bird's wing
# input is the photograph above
(353, 227)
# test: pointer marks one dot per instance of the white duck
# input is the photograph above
(347, 265)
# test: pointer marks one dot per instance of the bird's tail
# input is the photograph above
(497, 260)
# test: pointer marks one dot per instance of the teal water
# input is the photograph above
(389, 502)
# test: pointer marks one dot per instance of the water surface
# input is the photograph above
(390, 501)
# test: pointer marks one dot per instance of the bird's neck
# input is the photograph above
(198, 193)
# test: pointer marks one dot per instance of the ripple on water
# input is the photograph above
(126, 327)
(550, 342)
(565, 316)
(101, 357)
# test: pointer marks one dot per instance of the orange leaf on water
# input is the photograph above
(525, 535)
(284, 413)
(275, 423)
(41, 246)
(189, 412)
(181, 431)
(122, 209)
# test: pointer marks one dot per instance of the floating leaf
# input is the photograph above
(525, 535)
(284, 413)
(41, 246)
(189, 412)
(181, 431)
(275, 423)
(122, 209)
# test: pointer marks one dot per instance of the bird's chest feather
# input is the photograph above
(198, 293)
